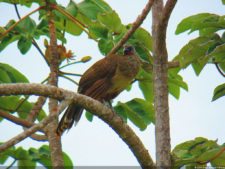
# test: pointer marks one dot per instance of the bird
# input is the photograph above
(103, 81)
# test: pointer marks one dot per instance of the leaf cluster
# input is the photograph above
(32, 157)
(207, 48)
(198, 153)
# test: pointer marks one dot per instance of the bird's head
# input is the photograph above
(128, 50)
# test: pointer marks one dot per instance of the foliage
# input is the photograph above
(198, 153)
(209, 47)
(103, 25)
(32, 157)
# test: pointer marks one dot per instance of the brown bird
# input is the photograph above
(103, 81)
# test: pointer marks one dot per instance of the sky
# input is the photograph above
(95, 143)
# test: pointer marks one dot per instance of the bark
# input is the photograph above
(134, 27)
(54, 141)
(160, 19)
(97, 108)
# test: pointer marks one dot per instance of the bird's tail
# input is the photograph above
(72, 114)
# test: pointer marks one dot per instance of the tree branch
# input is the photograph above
(36, 109)
(23, 123)
(54, 140)
(15, 24)
(160, 17)
(170, 4)
(26, 133)
(219, 70)
(135, 25)
(97, 108)
(16, 120)
(33, 115)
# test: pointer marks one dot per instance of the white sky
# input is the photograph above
(95, 143)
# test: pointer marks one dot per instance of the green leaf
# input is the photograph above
(208, 155)
(196, 52)
(26, 27)
(14, 75)
(42, 156)
(45, 158)
(105, 46)
(69, 27)
(143, 108)
(112, 21)
(27, 3)
(175, 82)
(72, 8)
(10, 103)
(4, 78)
(218, 53)
(63, 23)
(219, 161)
(120, 110)
(144, 37)
(21, 154)
(200, 22)
(91, 8)
(138, 111)
(145, 84)
(24, 45)
(89, 116)
(26, 164)
(133, 116)
(143, 52)
(223, 1)
(174, 90)
(10, 38)
(67, 161)
(219, 91)
(194, 152)
(98, 31)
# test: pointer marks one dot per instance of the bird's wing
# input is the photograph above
(99, 72)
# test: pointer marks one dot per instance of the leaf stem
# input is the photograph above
(15, 24)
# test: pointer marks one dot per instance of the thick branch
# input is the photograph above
(97, 108)
(160, 19)
(135, 25)
(54, 140)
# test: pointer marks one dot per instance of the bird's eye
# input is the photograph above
(128, 50)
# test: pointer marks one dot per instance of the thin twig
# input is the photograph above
(11, 165)
(16, 120)
(71, 74)
(76, 83)
(68, 64)
(15, 24)
(76, 21)
(219, 70)
(33, 115)
(21, 103)
(17, 11)
(13, 141)
(23, 123)
(135, 25)
(170, 4)
(33, 40)
(36, 109)
(173, 64)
